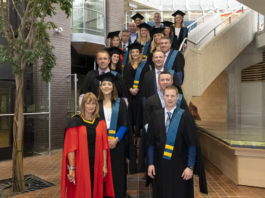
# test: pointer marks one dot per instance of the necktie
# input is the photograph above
(168, 121)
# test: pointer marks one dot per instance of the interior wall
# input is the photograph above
(250, 56)
(212, 105)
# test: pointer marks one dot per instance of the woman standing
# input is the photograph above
(168, 30)
(144, 39)
(180, 32)
(114, 111)
(157, 34)
(86, 166)
(115, 40)
(133, 76)
(115, 64)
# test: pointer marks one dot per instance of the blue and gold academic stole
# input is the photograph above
(114, 119)
(171, 60)
(179, 100)
(146, 47)
(172, 133)
(138, 74)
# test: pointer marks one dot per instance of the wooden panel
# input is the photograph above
(254, 72)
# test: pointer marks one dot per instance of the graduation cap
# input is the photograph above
(145, 25)
(107, 77)
(113, 34)
(135, 46)
(114, 50)
(167, 23)
(178, 12)
(156, 31)
(137, 15)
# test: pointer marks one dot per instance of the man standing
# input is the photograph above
(173, 58)
(150, 84)
(91, 83)
(173, 150)
(157, 21)
(125, 39)
(133, 32)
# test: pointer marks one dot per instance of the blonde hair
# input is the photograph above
(139, 39)
(89, 97)
(131, 61)
(154, 45)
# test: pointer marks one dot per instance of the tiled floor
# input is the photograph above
(48, 168)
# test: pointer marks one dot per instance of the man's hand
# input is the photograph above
(187, 174)
(151, 171)
(113, 143)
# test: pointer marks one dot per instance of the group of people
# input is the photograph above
(134, 97)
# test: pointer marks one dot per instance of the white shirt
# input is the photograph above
(125, 45)
(133, 37)
(177, 31)
(157, 72)
(107, 115)
(171, 111)
(100, 71)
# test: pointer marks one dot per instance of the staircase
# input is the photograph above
(258, 5)
(204, 62)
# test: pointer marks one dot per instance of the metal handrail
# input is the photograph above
(201, 17)
(215, 27)
(12, 114)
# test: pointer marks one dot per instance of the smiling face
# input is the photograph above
(157, 37)
(143, 32)
(135, 53)
(170, 97)
(115, 41)
(138, 21)
(103, 60)
(158, 59)
(165, 45)
(90, 107)
(115, 58)
(106, 87)
(178, 19)
(167, 31)
(165, 80)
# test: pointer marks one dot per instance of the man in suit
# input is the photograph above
(91, 83)
(150, 84)
(173, 58)
(133, 32)
(173, 150)
(156, 101)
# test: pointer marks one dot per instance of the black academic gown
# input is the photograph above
(149, 86)
(152, 104)
(179, 63)
(118, 155)
(135, 102)
(91, 83)
(178, 40)
(168, 182)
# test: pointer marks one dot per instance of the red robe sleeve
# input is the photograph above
(70, 145)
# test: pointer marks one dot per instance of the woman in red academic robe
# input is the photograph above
(86, 167)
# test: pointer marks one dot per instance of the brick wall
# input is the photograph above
(59, 85)
(115, 15)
